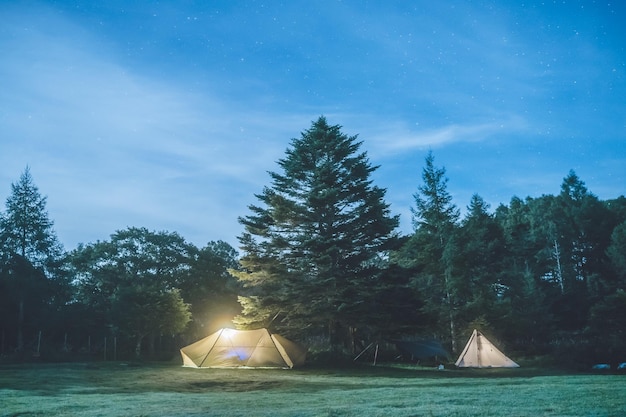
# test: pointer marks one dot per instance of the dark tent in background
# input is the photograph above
(421, 349)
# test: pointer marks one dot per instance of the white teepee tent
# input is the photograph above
(479, 352)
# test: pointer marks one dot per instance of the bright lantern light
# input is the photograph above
(228, 332)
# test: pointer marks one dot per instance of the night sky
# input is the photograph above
(168, 115)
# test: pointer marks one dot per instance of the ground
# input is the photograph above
(123, 389)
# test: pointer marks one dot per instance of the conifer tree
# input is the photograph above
(433, 248)
(312, 249)
(617, 255)
(480, 269)
(31, 257)
(26, 229)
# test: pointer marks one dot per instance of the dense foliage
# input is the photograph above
(323, 263)
(313, 250)
(536, 272)
(139, 292)
(32, 281)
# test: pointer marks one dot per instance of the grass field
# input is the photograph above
(117, 389)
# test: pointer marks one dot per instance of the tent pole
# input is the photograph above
(210, 350)
(479, 348)
(376, 354)
(364, 350)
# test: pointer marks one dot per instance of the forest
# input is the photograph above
(323, 263)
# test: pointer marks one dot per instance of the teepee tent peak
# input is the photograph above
(479, 352)
(229, 348)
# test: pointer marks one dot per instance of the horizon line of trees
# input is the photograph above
(323, 263)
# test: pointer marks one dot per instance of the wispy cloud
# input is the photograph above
(125, 146)
(395, 138)
(172, 123)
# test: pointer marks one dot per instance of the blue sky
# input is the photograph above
(168, 115)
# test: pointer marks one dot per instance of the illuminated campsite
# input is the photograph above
(339, 208)
(229, 348)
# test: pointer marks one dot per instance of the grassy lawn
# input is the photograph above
(116, 389)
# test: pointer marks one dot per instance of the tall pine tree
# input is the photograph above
(433, 249)
(31, 258)
(313, 248)
(482, 250)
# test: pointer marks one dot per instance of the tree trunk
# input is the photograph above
(453, 333)
(332, 334)
(138, 347)
(20, 326)
(452, 324)
(559, 272)
(351, 339)
(151, 344)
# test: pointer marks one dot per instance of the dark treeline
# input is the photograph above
(138, 293)
(322, 262)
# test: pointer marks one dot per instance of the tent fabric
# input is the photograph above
(479, 352)
(228, 348)
(421, 349)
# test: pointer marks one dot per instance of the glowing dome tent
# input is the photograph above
(229, 348)
(479, 352)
